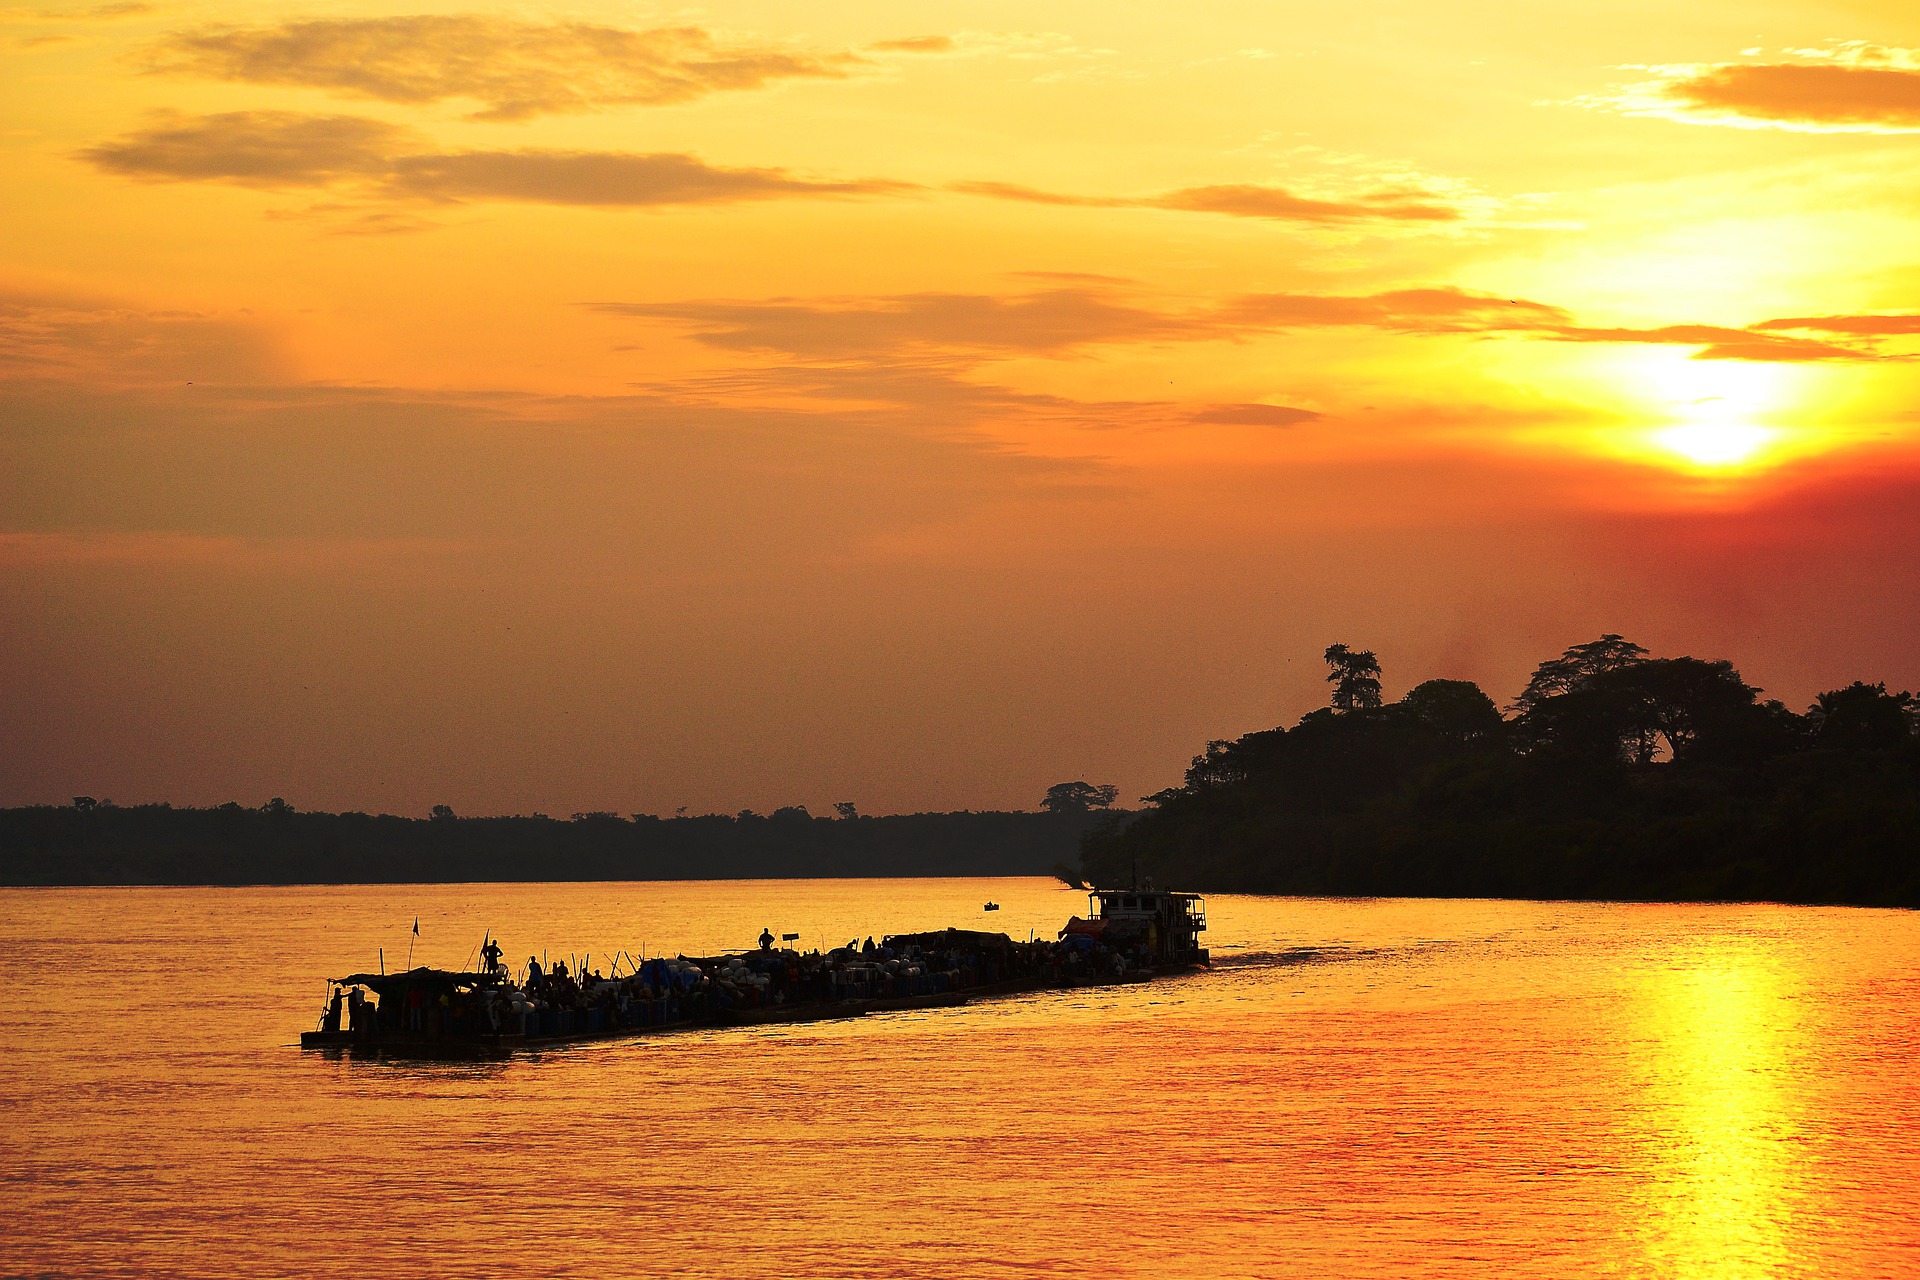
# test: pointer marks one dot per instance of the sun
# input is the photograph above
(1715, 444)
(1712, 415)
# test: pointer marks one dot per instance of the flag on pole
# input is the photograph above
(416, 926)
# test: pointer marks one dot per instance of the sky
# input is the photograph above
(625, 407)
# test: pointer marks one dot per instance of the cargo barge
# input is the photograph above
(1128, 935)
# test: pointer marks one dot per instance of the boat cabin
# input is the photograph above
(1166, 926)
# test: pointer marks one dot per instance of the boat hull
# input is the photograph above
(361, 1044)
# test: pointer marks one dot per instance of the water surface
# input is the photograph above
(1360, 1088)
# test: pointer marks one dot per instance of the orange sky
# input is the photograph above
(621, 407)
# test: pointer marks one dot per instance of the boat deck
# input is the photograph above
(360, 1044)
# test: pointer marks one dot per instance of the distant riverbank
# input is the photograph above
(93, 843)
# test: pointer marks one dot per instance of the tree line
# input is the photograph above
(1613, 775)
(97, 842)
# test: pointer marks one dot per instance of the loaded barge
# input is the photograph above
(1128, 935)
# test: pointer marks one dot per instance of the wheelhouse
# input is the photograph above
(1165, 927)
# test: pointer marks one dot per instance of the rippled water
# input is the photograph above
(1360, 1088)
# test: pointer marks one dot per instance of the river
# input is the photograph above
(1386, 1088)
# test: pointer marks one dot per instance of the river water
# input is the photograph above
(1359, 1088)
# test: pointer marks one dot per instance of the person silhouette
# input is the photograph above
(766, 939)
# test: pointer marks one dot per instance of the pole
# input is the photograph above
(383, 962)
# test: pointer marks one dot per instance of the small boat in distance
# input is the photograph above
(1130, 935)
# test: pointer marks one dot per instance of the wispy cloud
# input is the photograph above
(516, 69)
(1245, 200)
(1248, 200)
(254, 148)
(292, 149)
(1852, 87)
(607, 179)
(1443, 309)
(93, 13)
(1253, 415)
(1055, 322)
(915, 44)
(1855, 325)
(1046, 322)
(104, 343)
(1077, 315)
(286, 149)
(1718, 343)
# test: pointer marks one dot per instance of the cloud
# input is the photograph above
(1050, 321)
(103, 343)
(286, 149)
(1863, 325)
(517, 69)
(915, 44)
(95, 13)
(1033, 195)
(970, 328)
(1433, 310)
(293, 149)
(1808, 95)
(1055, 321)
(1254, 415)
(1719, 343)
(253, 148)
(1244, 200)
(607, 179)
(1852, 87)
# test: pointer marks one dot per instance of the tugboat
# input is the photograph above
(1160, 929)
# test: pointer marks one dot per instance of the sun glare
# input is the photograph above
(1711, 415)
(1715, 444)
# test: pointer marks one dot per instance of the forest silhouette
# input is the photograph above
(98, 842)
(1614, 775)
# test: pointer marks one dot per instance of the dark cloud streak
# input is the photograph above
(1719, 343)
(285, 149)
(253, 148)
(291, 149)
(518, 69)
(1254, 415)
(1058, 321)
(1241, 200)
(604, 179)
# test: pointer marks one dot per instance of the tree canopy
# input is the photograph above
(1355, 676)
(1617, 774)
(1079, 797)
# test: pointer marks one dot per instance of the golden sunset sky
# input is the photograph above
(627, 407)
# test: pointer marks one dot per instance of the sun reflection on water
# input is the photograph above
(1725, 1138)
